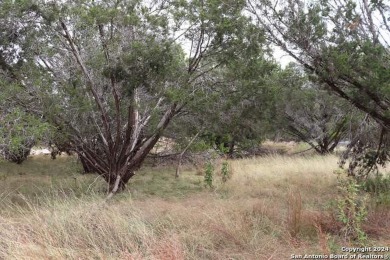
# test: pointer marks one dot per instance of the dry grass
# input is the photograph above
(271, 208)
(273, 176)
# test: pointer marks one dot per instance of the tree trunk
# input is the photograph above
(117, 182)
(115, 145)
(117, 162)
(87, 167)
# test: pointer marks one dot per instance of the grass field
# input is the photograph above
(270, 208)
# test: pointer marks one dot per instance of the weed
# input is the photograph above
(225, 172)
(209, 172)
(352, 210)
(294, 213)
(333, 245)
(323, 239)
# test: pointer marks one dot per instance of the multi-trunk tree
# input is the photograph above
(310, 113)
(111, 75)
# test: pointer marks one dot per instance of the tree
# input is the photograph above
(21, 122)
(311, 113)
(19, 132)
(343, 43)
(112, 75)
(236, 115)
(366, 152)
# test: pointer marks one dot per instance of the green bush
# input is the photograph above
(352, 210)
(209, 172)
(379, 188)
(225, 171)
(377, 185)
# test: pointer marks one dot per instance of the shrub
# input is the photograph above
(17, 154)
(225, 171)
(352, 209)
(209, 172)
(379, 188)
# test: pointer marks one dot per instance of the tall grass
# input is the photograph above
(270, 208)
(273, 176)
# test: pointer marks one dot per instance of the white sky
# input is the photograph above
(282, 57)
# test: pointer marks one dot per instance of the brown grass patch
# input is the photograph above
(271, 208)
(377, 224)
(168, 247)
(294, 213)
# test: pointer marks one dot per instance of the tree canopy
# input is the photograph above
(345, 46)
(105, 79)
(110, 76)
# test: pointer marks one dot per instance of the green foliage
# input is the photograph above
(237, 88)
(367, 161)
(199, 146)
(352, 209)
(367, 153)
(19, 132)
(343, 44)
(309, 113)
(225, 172)
(148, 62)
(209, 174)
(241, 97)
(378, 184)
(111, 75)
(379, 187)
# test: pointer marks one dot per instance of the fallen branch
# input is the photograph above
(183, 152)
